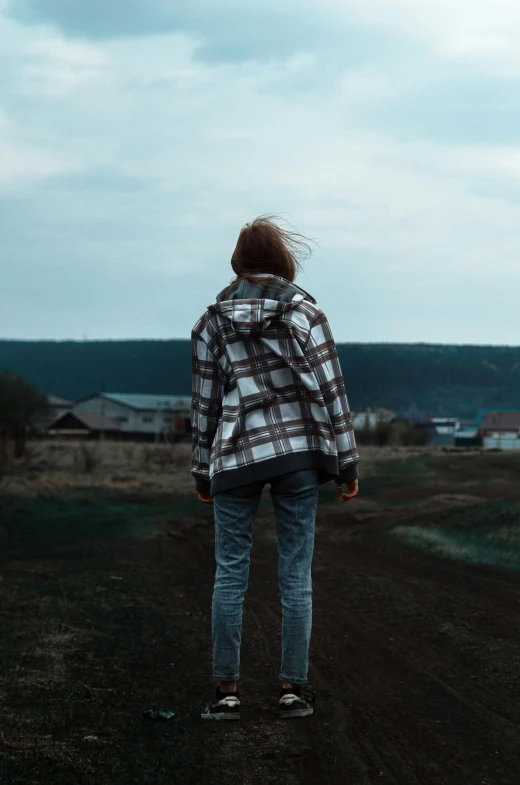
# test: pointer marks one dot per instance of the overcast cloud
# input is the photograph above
(137, 136)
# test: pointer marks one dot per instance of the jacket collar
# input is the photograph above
(285, 285)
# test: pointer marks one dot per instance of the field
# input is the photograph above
(106, 576)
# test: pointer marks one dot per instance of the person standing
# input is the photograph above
(268, 407)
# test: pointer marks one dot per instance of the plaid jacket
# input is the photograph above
(268, 393)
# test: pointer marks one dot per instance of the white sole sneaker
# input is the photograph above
(297, 703)
(288, 713)
(227, 708)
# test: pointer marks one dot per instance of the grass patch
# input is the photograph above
(36, 526)
(487, 534)
(41, 524)
(388, 474)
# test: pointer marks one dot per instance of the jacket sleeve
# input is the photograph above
(206, 408)
(323, 357)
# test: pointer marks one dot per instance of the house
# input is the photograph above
(446, 426)
(144, 417)
(500, 425)
(501, 430)
(84, 425)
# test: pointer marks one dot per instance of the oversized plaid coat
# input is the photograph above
(268, 392)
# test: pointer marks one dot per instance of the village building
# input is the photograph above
(142, 417)
(500, 425)
(446, 426)
(501, 430)
(84, 425)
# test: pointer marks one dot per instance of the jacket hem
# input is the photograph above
(202, 484)
(349, 473)
(325, 465)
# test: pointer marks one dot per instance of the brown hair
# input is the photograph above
(265, 247)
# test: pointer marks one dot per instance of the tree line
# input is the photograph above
(420, 378)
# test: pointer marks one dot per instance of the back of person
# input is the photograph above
(269, 405)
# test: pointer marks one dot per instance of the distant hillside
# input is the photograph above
(455, 380)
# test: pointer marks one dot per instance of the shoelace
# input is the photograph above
(221, 695)
(308, 695)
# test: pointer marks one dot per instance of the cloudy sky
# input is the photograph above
(137, 136)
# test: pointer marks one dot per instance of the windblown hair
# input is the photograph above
(265, 247)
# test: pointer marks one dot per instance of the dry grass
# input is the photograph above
(55, 645)
(51, 469)
(56, 468)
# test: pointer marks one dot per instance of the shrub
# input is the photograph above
(90, 460)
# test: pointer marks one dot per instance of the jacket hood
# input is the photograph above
(251, 307)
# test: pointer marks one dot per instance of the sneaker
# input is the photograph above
(225, 706)
(295, 701)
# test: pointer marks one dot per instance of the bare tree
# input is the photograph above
(22, 408)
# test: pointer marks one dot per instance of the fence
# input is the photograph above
(504, 444)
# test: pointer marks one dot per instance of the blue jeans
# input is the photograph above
(295, 498)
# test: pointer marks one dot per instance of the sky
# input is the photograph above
(138, 136)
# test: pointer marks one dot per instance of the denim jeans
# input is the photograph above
(295, 498)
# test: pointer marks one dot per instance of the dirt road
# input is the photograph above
(415, 658)
(416, 664)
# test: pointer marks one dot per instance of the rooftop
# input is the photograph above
(501, 421)
(481, 413)
(55, 401)
(91, 420)
(146, 402)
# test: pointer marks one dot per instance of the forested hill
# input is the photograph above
(454, 380)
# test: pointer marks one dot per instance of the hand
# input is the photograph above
(352, 488)
(205, 498)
